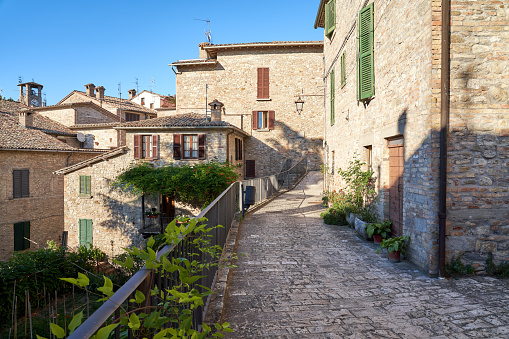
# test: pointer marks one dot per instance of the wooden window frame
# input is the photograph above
(263, 83)
(24, 228)
(132, 117)
(267, 119)
(193, 141)
(20, 183)
(85, 185)
(180, 146)
(146, 146)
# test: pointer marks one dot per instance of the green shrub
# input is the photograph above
(456, 267)
(500, 271)
(334, 216)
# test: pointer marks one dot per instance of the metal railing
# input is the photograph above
(220, 212)
(267, 186)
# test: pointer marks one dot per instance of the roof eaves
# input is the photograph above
(107, 155)
(319, 15)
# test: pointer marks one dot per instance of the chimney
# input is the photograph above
(202, 52)
(99, 93)
(215, 110)
(132, 93)
(26, 118)
(90, 89)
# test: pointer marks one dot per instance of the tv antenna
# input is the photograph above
(136, 82)
(208, 34)
(44, 100)
(20, 79)
(152, 84)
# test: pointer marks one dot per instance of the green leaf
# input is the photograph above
(39, 337)
(139, 297)
(71, 280)
(107, 289)
(83, 280)
(153, 255)
(57, 331)
(134, 322)
(104, 332)
(161, 334)
(75, 322)
(151, 242)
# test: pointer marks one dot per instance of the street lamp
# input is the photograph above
(299, 103)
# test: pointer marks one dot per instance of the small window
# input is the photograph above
(151, 105)
(369, 157)
(189, 146)
(238, 149)
(143, 101)
(263, 83)
(146, 146)
(263, 120)
(85, 232)
(132, 117)
(21, 234)
(20, 183)
(330, 18)
(85, 185)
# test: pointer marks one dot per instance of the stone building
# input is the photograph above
(259, 84)
(31, 197)
(111, 219)
(387, 95)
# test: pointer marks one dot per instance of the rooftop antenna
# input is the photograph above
(152, 84)
(136, 82)
(20, 79)
(208, 34)
(44, 101)
(120, 97)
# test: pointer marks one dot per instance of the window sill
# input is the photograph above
(262, 130)
(263, 99)
(81, 196)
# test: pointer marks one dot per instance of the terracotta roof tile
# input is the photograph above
(124, 103)
(179, 120)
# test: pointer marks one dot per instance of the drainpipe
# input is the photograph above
(67, 160)
(444, 128)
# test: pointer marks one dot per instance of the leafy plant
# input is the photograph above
(367, 216)
(360, 185)
(152, 213)
(379, 228)
(395, 244)
(176, 303)
(334, 216)
(456, 267)
(500, 271)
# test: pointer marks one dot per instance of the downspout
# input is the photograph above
(444, 129)
(67, 160)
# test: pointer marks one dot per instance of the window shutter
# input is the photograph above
(343, 70)
(25, 189)
(332, 97)
(250, 168)
(263, 83)
(82, 184)
(155, 147)
(254, 121)
(137, 146)
(26, 234)
(260, 83)
(88, 184)
(201, 146)
(272, 117)
(89, 232)
(177, 146)
(330, 17)
(241, 143)
(16, 184)
(85, 232)
(366, 60)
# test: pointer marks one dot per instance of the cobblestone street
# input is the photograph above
(300, 278)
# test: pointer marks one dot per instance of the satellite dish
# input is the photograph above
(81, 137)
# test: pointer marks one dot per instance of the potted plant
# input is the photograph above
(152, 213)
(379, 230)
(395, 246)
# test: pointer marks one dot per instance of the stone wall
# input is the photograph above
(478, 177)
(65, 116)
(104, 137)
(44, 208)
(401, 107)
(88, 115)
(233, 81)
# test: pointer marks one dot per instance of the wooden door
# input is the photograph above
(167, 209)
(396, 166)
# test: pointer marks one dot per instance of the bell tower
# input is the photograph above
(30, 94)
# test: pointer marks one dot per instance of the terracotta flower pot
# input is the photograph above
(394, 256)
(152, 216)
(377, 238)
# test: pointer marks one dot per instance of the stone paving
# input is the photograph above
(300, 278)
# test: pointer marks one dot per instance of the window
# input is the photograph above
(369, 157)
(85, 185)
(365, 61)
(343, 70)
(85, 232)
(132, 117)
(238, 149)
(263, 83)
(332, 96)
(330, 18)
(20, 183)
(143, 101)
(250, 168)
(146, 146)
(263, 120)
(189, 146)
(151, 105)
(21, 231)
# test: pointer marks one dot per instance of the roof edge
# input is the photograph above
(320, 13)
(266, 44)
(104, 156)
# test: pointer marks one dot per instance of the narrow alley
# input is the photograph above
(300, 278)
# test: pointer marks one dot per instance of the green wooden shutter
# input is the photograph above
(21, 231)
(366, 82)
(85, 232)
(26, 234)
(332, 97)
(330, 18)
(343, 70)
(85, 185)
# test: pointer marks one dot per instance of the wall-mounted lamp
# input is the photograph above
(299, 103)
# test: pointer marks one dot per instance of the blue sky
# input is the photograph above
(64, 45)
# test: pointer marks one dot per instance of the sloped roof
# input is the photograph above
(212, 50)
(88, 103)
(104, 156)
(125, 104)
(13, 135)
(186, 120)
(320, 15)
(12, 109)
